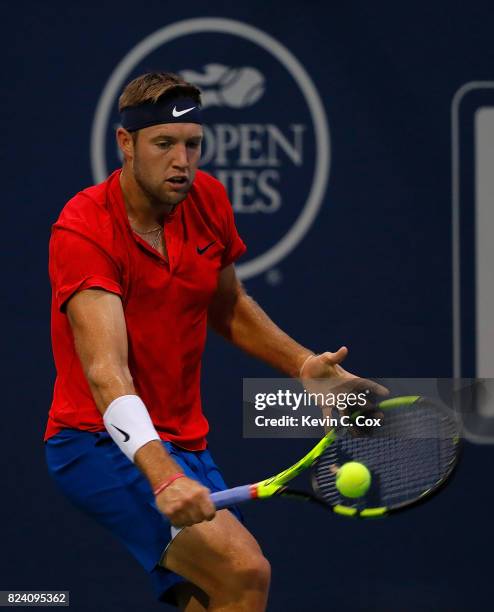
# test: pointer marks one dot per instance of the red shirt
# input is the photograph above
(165, 304)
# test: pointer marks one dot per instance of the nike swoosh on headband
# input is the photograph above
(177, 113)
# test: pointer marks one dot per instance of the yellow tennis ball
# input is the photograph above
(353, 479)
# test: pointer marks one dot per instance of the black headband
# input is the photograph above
(175, 110)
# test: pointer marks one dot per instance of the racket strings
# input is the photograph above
(410, 454)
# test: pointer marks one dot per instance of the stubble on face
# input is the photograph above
(152, 173)
(153, 190)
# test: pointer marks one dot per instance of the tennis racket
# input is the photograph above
(410, 457)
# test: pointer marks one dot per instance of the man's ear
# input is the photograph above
(125, 143)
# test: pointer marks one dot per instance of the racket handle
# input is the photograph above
(229, 497)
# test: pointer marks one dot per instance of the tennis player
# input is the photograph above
(140, 265)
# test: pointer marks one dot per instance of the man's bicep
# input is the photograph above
(228, 282)
(98, 324)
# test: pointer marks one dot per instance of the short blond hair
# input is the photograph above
(152, 86)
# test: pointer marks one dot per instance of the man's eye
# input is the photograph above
(194, 145)
(163, 145)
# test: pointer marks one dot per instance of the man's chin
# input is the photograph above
(171, 198)
(175, 197)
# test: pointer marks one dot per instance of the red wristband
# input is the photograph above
(167, 483)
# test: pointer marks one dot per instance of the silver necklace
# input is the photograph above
(156, 241)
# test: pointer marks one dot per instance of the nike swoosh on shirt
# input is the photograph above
(201, 251)
(124, 433)
(177, 113)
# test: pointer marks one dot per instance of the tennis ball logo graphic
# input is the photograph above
(241, 87)
(225, 86)
(353, 479)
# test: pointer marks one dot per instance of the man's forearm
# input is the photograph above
(245, 324)
(155, 463)
(152, 459)
(107, 382)
(100, 337)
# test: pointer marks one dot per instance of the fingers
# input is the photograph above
(348, 379)
(186, 502)
(335, 358)
(343, 382)
(378, 389)
(365, 384)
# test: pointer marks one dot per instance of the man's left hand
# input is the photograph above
(324, 374)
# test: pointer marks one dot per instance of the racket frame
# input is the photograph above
(275, 486)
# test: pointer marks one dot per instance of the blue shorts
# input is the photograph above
(98, 478)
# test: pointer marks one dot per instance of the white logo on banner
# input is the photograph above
(225, 86)
(250, 159)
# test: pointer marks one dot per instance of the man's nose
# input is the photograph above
(180, 159)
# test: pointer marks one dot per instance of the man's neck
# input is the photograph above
(139, 208)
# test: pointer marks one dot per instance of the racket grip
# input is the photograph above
(237, 495)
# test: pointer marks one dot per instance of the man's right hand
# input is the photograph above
(186, 502)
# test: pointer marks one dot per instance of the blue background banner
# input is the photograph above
(330, 124)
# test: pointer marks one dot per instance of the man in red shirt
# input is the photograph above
(139, 266)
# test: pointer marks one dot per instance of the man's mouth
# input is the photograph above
(177, 180)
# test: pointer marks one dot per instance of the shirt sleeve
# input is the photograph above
(235, 246)
(78, 263)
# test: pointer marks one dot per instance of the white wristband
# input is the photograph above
(128, 422)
